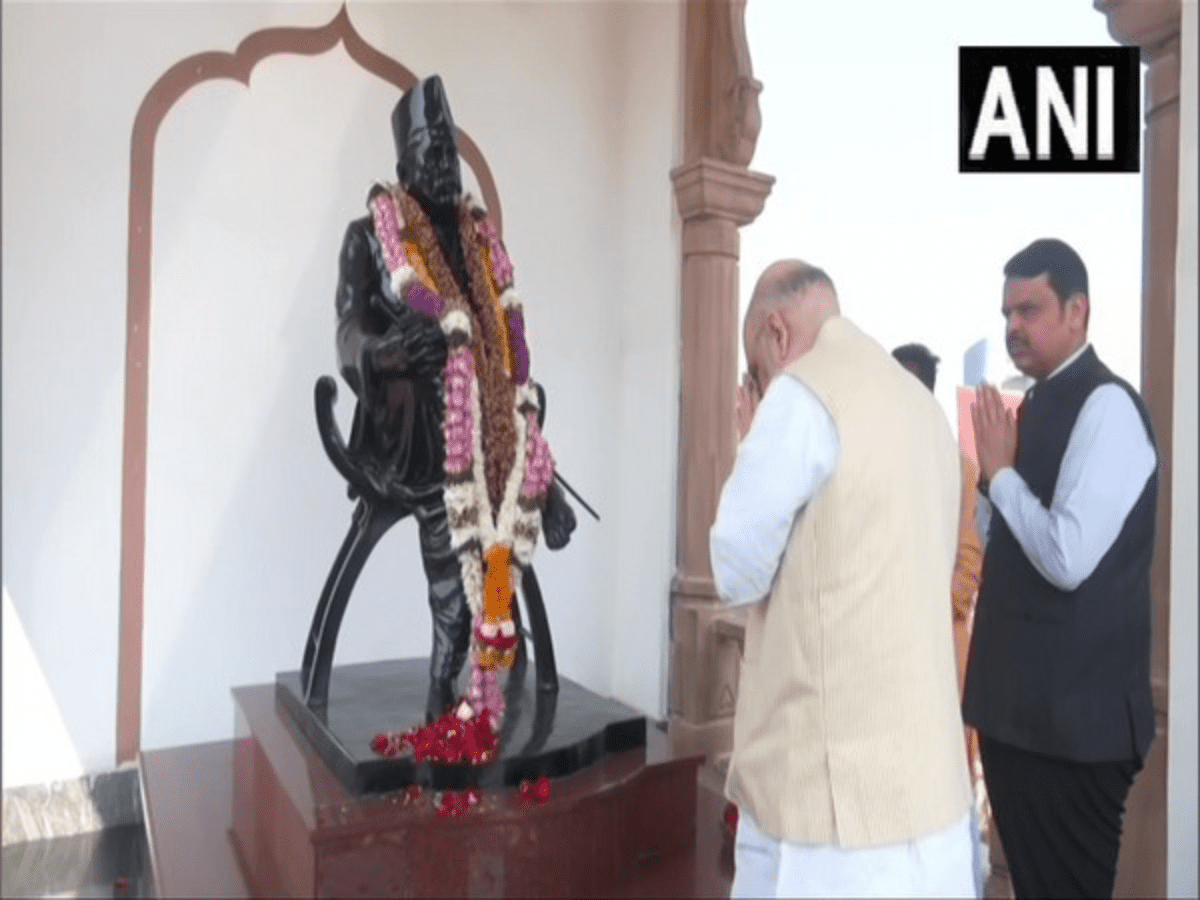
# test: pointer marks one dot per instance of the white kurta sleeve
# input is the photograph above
(1104, 469)
(787, 456)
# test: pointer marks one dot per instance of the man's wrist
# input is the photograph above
(999, 477)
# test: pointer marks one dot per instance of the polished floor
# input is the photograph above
(114, 862)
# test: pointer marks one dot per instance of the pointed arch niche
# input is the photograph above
(162, 97)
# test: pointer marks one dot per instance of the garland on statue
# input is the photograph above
(498, 467)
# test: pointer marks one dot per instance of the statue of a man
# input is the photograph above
(431, 338)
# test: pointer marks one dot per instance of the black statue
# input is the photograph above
(393, 353)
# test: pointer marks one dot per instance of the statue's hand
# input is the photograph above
(415, 347)
(387, 354)
(558, 519)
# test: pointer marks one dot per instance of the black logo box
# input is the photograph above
(975, 67)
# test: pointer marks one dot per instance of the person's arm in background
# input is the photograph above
(967, 567)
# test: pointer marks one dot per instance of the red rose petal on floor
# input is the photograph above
(730, 816)
(456, 804)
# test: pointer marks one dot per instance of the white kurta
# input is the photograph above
(1066, 542)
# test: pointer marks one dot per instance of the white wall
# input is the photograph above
(860, 129)
(1182, 745)
(36, 745)
(253, 189)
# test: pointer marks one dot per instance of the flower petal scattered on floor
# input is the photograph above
(451, 739)
(534, 791)
(730, 817)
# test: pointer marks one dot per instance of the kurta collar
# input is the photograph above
(1070, 359)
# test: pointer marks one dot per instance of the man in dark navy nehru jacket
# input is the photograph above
(1058, 681)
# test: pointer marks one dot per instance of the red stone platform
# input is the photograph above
(264, 816)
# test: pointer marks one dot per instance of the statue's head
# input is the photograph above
(427, 155)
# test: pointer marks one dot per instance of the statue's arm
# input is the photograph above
(358, 279)
(378, 336)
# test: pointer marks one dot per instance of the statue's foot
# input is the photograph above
(441, 698)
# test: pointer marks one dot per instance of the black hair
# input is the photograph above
(920, 356)
(1055, 259)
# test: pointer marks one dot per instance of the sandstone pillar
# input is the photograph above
(717, 194)
(1153, 25)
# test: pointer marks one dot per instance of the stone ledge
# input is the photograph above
(714, 771)
(732, 627)
(77, 806)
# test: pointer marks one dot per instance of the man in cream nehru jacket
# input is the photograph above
(838, 527)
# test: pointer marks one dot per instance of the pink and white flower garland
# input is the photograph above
(473, 523)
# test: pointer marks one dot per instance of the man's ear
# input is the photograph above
(1078, 307)
(777, 336)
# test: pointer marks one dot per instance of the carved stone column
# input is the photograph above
(1153, 25)
(715, 198)
(717, 194)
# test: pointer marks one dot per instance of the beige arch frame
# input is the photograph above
(158, 102)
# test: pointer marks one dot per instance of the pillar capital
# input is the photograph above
(1148, 24)
(711, 187)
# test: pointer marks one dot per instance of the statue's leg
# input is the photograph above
(448, 607)
(545, 705)
(516, 675)
(371, 522)
(539, 628)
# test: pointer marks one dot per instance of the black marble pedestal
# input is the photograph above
(543, 733)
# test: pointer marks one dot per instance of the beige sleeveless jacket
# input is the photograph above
(848, 729)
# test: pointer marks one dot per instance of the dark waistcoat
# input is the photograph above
(1065, 673)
